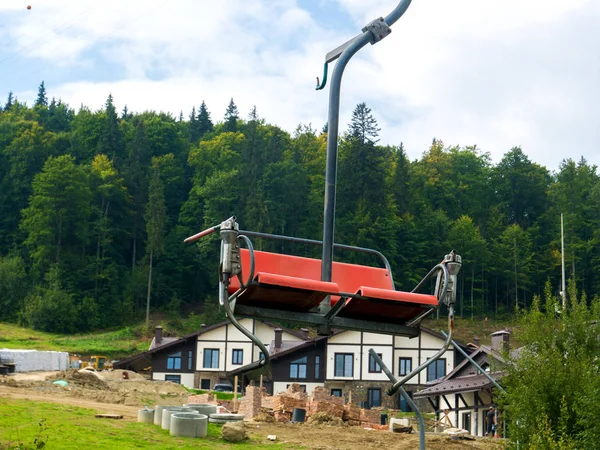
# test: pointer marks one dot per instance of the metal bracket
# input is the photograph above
(335, 310)
(378, 28)
(230, 257)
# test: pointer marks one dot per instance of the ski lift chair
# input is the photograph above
(281, 287)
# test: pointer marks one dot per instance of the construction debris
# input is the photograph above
(321, 407)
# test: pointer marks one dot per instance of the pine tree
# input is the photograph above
(193, 127)
(401, 181)
(155, 226)
(205, 124)
(363, 126)
(126, 115)
(42, 99)
(111, 140)
(9, 101)
(231, 117)
(253, 114)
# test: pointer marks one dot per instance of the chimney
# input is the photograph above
(476, 341)
(304, 334)
(157, 335)
(278, 337)
(501, 341)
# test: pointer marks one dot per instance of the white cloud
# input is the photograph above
(495, 74)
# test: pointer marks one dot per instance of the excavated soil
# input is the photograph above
(323, 437)
(104, 387)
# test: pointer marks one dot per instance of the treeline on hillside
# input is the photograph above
(90, 201)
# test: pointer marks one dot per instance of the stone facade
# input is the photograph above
(214, 378)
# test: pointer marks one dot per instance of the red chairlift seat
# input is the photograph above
(293, 283)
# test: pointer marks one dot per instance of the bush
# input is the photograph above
(553, 386)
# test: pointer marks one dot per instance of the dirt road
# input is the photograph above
(128, 412)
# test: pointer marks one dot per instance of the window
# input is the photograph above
(190, 359)
(436, 370)
(344, 364)
(404, 366)
(237, 356)
(174, 361)
(298, 368)
(373, 366)
(404, 406)
(374, 397)
(173, 378)
(205, 384)
(336, 392)
(317, 367)
(211, 358)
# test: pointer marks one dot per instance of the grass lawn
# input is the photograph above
(69, 427)
(113, 344)
(465, 330)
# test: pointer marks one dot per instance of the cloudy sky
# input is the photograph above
(492, 73)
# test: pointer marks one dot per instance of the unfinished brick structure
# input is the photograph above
(320, 401)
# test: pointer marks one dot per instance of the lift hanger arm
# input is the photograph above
(373, 32)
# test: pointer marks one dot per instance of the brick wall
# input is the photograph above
(251, 402)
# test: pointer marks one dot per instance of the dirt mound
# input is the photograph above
(325, 419)
(86, 379)
(264, 417)
(105, 387)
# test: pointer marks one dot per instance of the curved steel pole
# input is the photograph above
(397, 13)
(405, 396)
(332, 145)
(431, 360)
(332, 154)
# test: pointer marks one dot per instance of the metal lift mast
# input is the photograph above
(371, 33)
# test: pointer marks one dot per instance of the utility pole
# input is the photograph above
(563, 292)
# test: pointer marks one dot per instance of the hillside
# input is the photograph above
(95, 205)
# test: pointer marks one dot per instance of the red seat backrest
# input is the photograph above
(349, 277)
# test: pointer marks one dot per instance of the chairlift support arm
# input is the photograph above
(372, 33)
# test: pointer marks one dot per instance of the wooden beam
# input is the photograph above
(476, 396)
(457, 415)
(235, 386)
(463, 399)
(433, 405)
(447, 402)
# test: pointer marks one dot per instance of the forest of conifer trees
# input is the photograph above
(94, 202)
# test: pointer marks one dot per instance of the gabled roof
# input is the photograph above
(482, 350)
(468, 383)
(452, 382)
(164, 341)
(297, 348)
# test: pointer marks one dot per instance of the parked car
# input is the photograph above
(225, 388)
